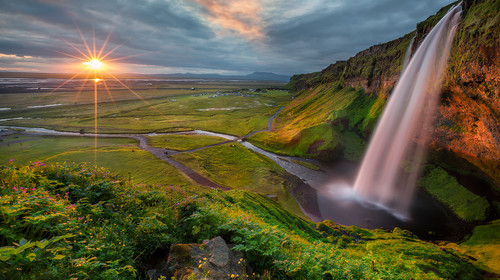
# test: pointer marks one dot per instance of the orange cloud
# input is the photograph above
(241, 16)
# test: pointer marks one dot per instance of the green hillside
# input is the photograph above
(77, 222)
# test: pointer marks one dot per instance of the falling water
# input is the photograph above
(407, 55)
(389, 171)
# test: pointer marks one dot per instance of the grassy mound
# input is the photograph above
(120, 155)
(237, 167)
(483, 247)
(76, 222)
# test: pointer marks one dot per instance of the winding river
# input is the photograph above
(309, 187)
(306, 174)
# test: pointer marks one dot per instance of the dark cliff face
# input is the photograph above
(375, 69)
(468, 121)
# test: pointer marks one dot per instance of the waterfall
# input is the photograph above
(390, 167)
(407, 55)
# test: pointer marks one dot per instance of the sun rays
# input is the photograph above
(95, 69)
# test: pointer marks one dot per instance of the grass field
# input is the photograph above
(235, 112)
(119, 155)
(235, 166)
(183, 142)
(484, 246)
(118, 92)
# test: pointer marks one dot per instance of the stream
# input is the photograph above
(312, 189)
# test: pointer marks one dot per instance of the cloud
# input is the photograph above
(343, 28)
(242, 16)
(13, 56)
(223, 36)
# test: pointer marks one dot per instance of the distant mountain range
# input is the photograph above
(255, 76)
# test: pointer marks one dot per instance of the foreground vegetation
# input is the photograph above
(77, 222)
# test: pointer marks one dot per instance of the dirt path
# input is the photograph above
(158, 152)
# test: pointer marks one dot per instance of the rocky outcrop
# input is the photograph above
(213, 259)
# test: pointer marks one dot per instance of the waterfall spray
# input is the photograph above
(390, 167)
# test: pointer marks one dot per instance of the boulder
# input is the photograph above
(213, 259)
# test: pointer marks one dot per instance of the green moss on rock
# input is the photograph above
(445, 188)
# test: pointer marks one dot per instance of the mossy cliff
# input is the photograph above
(344, 100)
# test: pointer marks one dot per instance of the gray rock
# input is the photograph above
(219, 251)
(213, 259)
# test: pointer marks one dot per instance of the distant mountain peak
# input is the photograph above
(268, 76)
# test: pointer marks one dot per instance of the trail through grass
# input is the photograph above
(237, 167)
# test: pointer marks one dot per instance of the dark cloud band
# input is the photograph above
(275, 36)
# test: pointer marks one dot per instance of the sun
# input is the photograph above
(95, 64)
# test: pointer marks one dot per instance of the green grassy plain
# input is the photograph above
(225, 109)
(120, 155)
(236, 113)
(183, 142)
(235, 166)
(117, 92)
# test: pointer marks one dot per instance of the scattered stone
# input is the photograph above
(213, 259)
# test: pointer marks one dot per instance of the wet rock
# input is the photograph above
(213, 259)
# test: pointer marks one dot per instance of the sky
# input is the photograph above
(199, 36)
